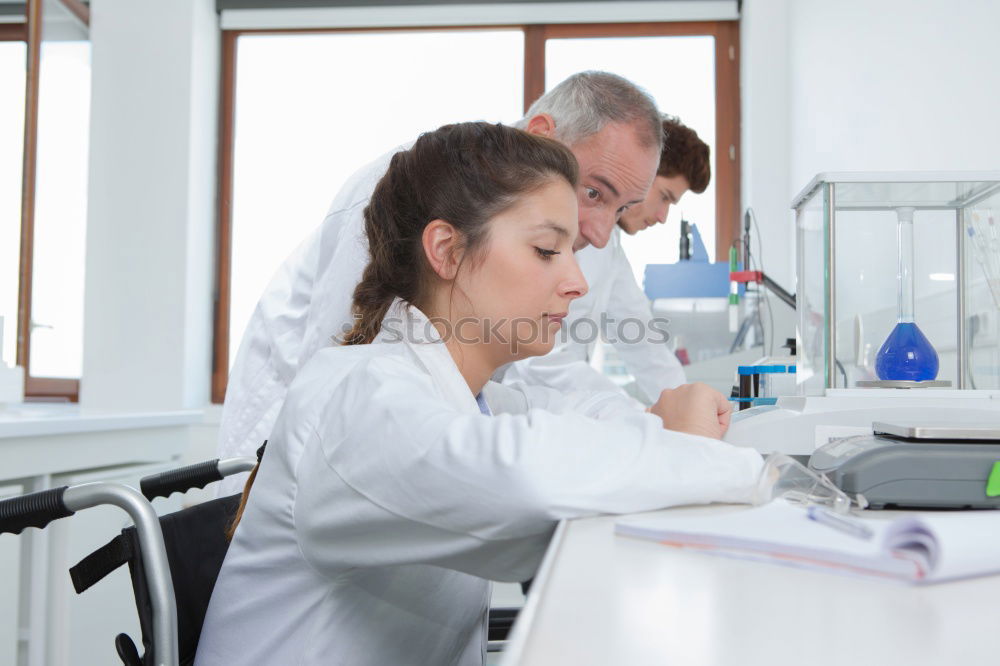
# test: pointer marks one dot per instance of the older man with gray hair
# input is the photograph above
(612, 127)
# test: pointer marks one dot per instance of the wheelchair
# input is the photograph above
(174, 560)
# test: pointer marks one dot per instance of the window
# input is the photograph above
(12, 59)
(294, 127)
(60, 211)
(305, 123)
(43, 197)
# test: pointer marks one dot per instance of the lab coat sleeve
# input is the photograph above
(564, 368)
(648, 358)
(519, 397)
(394, 475)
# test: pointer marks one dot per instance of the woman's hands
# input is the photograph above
(697, 409)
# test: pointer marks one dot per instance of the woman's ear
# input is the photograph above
(442, 247)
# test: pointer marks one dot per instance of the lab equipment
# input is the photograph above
(748, 275)
(916, 464)
(906, 354)
(839, 523)
(734, 294)
(851, 298)
(799, 425)
(762, 383)
(687, 279)
(694, 296)
(847, 299)
(784, 477)
(767, 379)
(984, 237)
(684, 249)
(761, 277)
(696, 246)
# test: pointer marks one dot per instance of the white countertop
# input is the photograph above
(31, 419)
(604, 599)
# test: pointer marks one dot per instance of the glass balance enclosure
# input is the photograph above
(885, 258)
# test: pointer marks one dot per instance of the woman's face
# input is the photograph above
(666, 191)
(519, 288)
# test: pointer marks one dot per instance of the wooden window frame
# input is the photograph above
(30, 32)
(13, 32)
(726, 163)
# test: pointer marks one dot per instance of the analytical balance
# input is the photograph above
(917, 464)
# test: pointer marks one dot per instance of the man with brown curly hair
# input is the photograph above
(684, 165)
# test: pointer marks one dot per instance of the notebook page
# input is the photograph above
(968, 542)
(780, 532)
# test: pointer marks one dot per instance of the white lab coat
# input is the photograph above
(615, 295)
(309, 300)
(386, 500)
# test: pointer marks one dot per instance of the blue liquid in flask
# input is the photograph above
(906, 354)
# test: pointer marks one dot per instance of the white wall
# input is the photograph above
(861, 85)
(893, 85)
(151, 214)
(766, 186)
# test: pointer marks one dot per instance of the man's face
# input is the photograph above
(615, 173)
(666, 191)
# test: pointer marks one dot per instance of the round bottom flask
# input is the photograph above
(907, 354)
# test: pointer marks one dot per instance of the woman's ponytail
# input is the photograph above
(231, 530)
(245, 495)
(371, 303)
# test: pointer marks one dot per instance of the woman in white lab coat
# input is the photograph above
(398, 479)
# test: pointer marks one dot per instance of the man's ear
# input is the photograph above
(542, 124)
(442, 247)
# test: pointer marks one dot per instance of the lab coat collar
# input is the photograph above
(405, 324)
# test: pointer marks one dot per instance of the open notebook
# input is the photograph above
(918, 547)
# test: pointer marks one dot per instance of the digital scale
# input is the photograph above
(916, 465)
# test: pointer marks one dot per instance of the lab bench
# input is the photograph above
(605, 599)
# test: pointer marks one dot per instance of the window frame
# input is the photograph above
(30, 32)
(726, 162)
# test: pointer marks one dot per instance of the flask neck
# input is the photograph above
(904, 275)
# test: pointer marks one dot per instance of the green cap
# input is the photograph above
(993, 482)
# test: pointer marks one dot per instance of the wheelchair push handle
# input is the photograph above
(179, 480)
(33, 510)
(198, 475)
